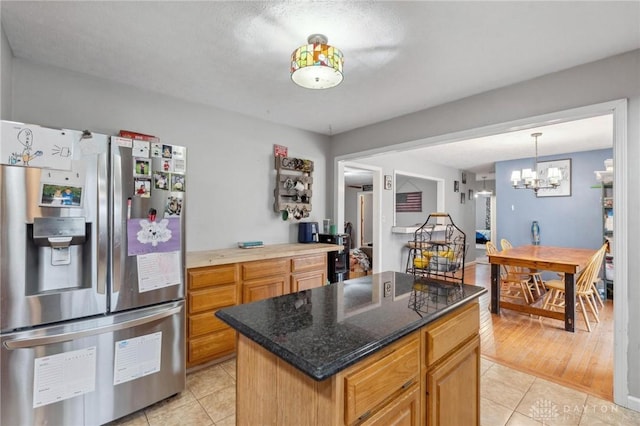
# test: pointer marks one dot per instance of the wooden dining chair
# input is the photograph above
(533, 275)
(585, 293)
(512, 286)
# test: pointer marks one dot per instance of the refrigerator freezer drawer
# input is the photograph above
(93, 371)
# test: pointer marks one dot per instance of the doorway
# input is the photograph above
(618, 109)
(364, 234)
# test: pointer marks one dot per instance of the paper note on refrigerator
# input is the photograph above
(35, 146)
(157, 270)
(137, 357)
(63, 376)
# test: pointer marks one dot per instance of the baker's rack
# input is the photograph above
(438, 250)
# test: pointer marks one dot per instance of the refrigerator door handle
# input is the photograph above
(65, 337)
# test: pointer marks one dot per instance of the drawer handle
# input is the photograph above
(406, 385)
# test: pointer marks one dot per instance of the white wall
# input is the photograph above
(613, 78)
(6, 59)
(231, 174)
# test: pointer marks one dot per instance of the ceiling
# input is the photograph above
(400, 57)
(479, 155)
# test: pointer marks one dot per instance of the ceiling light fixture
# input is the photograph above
(317, 65)
(485, 192)
(530, 178)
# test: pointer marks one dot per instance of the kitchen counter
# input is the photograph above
(325, 330)
(197, 259)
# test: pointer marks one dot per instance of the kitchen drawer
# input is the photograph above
(211, 346)
(212, 275)
(314, 262)
(204, 323)
(265, 268)
(377, 382)
(215, 297)
(444, 336)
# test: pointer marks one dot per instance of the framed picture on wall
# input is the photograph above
(462, 197)
(470, 194)
(456, 186)
(564, 189)
(464, 178)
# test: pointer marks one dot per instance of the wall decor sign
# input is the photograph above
(564, 189)
(387, 182)
(280, 151)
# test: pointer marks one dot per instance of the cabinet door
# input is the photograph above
(264, 288)
(402, 411)
(307, 281)
(453, 388)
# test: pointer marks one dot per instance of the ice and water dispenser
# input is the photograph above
(58, 254)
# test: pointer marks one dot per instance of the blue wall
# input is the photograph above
(574, 221)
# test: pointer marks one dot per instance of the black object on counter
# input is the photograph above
(337, 261)
(308, 232)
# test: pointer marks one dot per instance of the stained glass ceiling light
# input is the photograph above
(317, 65)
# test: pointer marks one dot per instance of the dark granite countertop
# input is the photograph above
(324, 330)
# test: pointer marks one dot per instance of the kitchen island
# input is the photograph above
(382, 349)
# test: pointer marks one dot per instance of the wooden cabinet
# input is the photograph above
(403, 411)
(308, 280)
(264, 288)
(453, 388)
(211, 288)
(429, 377)
(452, 369)
(265, 268)
(263, 279)
(308, 272)
(381, 379)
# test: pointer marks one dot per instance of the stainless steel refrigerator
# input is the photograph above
(91, 275)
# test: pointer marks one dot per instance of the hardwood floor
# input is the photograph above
(541, 346)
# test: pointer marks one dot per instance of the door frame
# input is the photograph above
(376, 203)
(619, 110)
(360, 213)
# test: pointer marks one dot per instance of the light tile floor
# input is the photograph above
(507, 397)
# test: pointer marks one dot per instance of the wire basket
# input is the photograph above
(438, 249)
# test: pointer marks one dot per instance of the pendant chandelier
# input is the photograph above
(317, 65)
(485, 192)
(529, 179)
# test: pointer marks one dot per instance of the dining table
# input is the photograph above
(566, 260)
